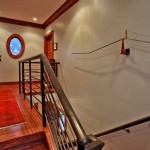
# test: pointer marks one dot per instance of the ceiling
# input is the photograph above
(26, 10)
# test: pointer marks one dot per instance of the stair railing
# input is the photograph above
(65, 126)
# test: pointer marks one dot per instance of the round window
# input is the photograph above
(15, 46)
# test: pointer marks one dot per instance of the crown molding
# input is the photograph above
(59, 12)
(63, 8)
(19, 22)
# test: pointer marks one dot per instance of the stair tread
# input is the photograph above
(39, 147)
(33, 141)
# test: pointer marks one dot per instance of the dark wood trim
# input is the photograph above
(52, 18)
(22, 46)
(46, 36)
(9, 83)
(19, 22)
(59, 12)
(51, 33)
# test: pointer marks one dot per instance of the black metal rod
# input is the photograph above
(31, 58)
(43, 95)
(26, 75)
(33, 88)
(125, 126)
(54, 62)
(37, 99)
(32, 62)
(36, 72)
(37, 79)
(30, 76)
(37, 85)
(23, 80)
(35, 92)
(22, 90)
(55, 67)
(19, 78)
(32, 69)
(99, 48)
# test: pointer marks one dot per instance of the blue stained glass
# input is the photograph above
(15, 46)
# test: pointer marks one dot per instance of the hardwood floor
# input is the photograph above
(33, 121)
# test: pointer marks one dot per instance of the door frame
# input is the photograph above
(51, 35)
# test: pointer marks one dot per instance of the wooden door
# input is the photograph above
(48, 45)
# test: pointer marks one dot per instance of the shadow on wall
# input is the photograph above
(115, 68)
(143, 49)
(95, 58)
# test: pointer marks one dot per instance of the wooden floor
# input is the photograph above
(33, 121)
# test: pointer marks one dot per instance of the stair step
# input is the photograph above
(34, 141)
(39, 147)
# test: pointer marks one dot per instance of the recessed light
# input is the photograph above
(35, 19)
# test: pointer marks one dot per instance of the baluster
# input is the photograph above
(30, 82)
(43, 95)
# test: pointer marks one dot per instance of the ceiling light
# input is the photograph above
(35, 19)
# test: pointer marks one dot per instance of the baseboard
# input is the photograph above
(16, 82)
(9, 83)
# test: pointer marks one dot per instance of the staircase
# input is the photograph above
(36, 141)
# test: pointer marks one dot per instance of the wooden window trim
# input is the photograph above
(22, 46)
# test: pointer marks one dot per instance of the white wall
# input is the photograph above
(34, 44)
(106, 89)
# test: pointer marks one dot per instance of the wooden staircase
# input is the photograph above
(36, 141)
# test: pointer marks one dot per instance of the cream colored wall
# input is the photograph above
(137, 139)
(34, 45)
(106, 89)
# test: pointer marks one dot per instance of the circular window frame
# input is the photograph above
(22, 46)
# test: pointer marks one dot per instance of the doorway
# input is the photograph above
(49, 49)
(48, 45)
